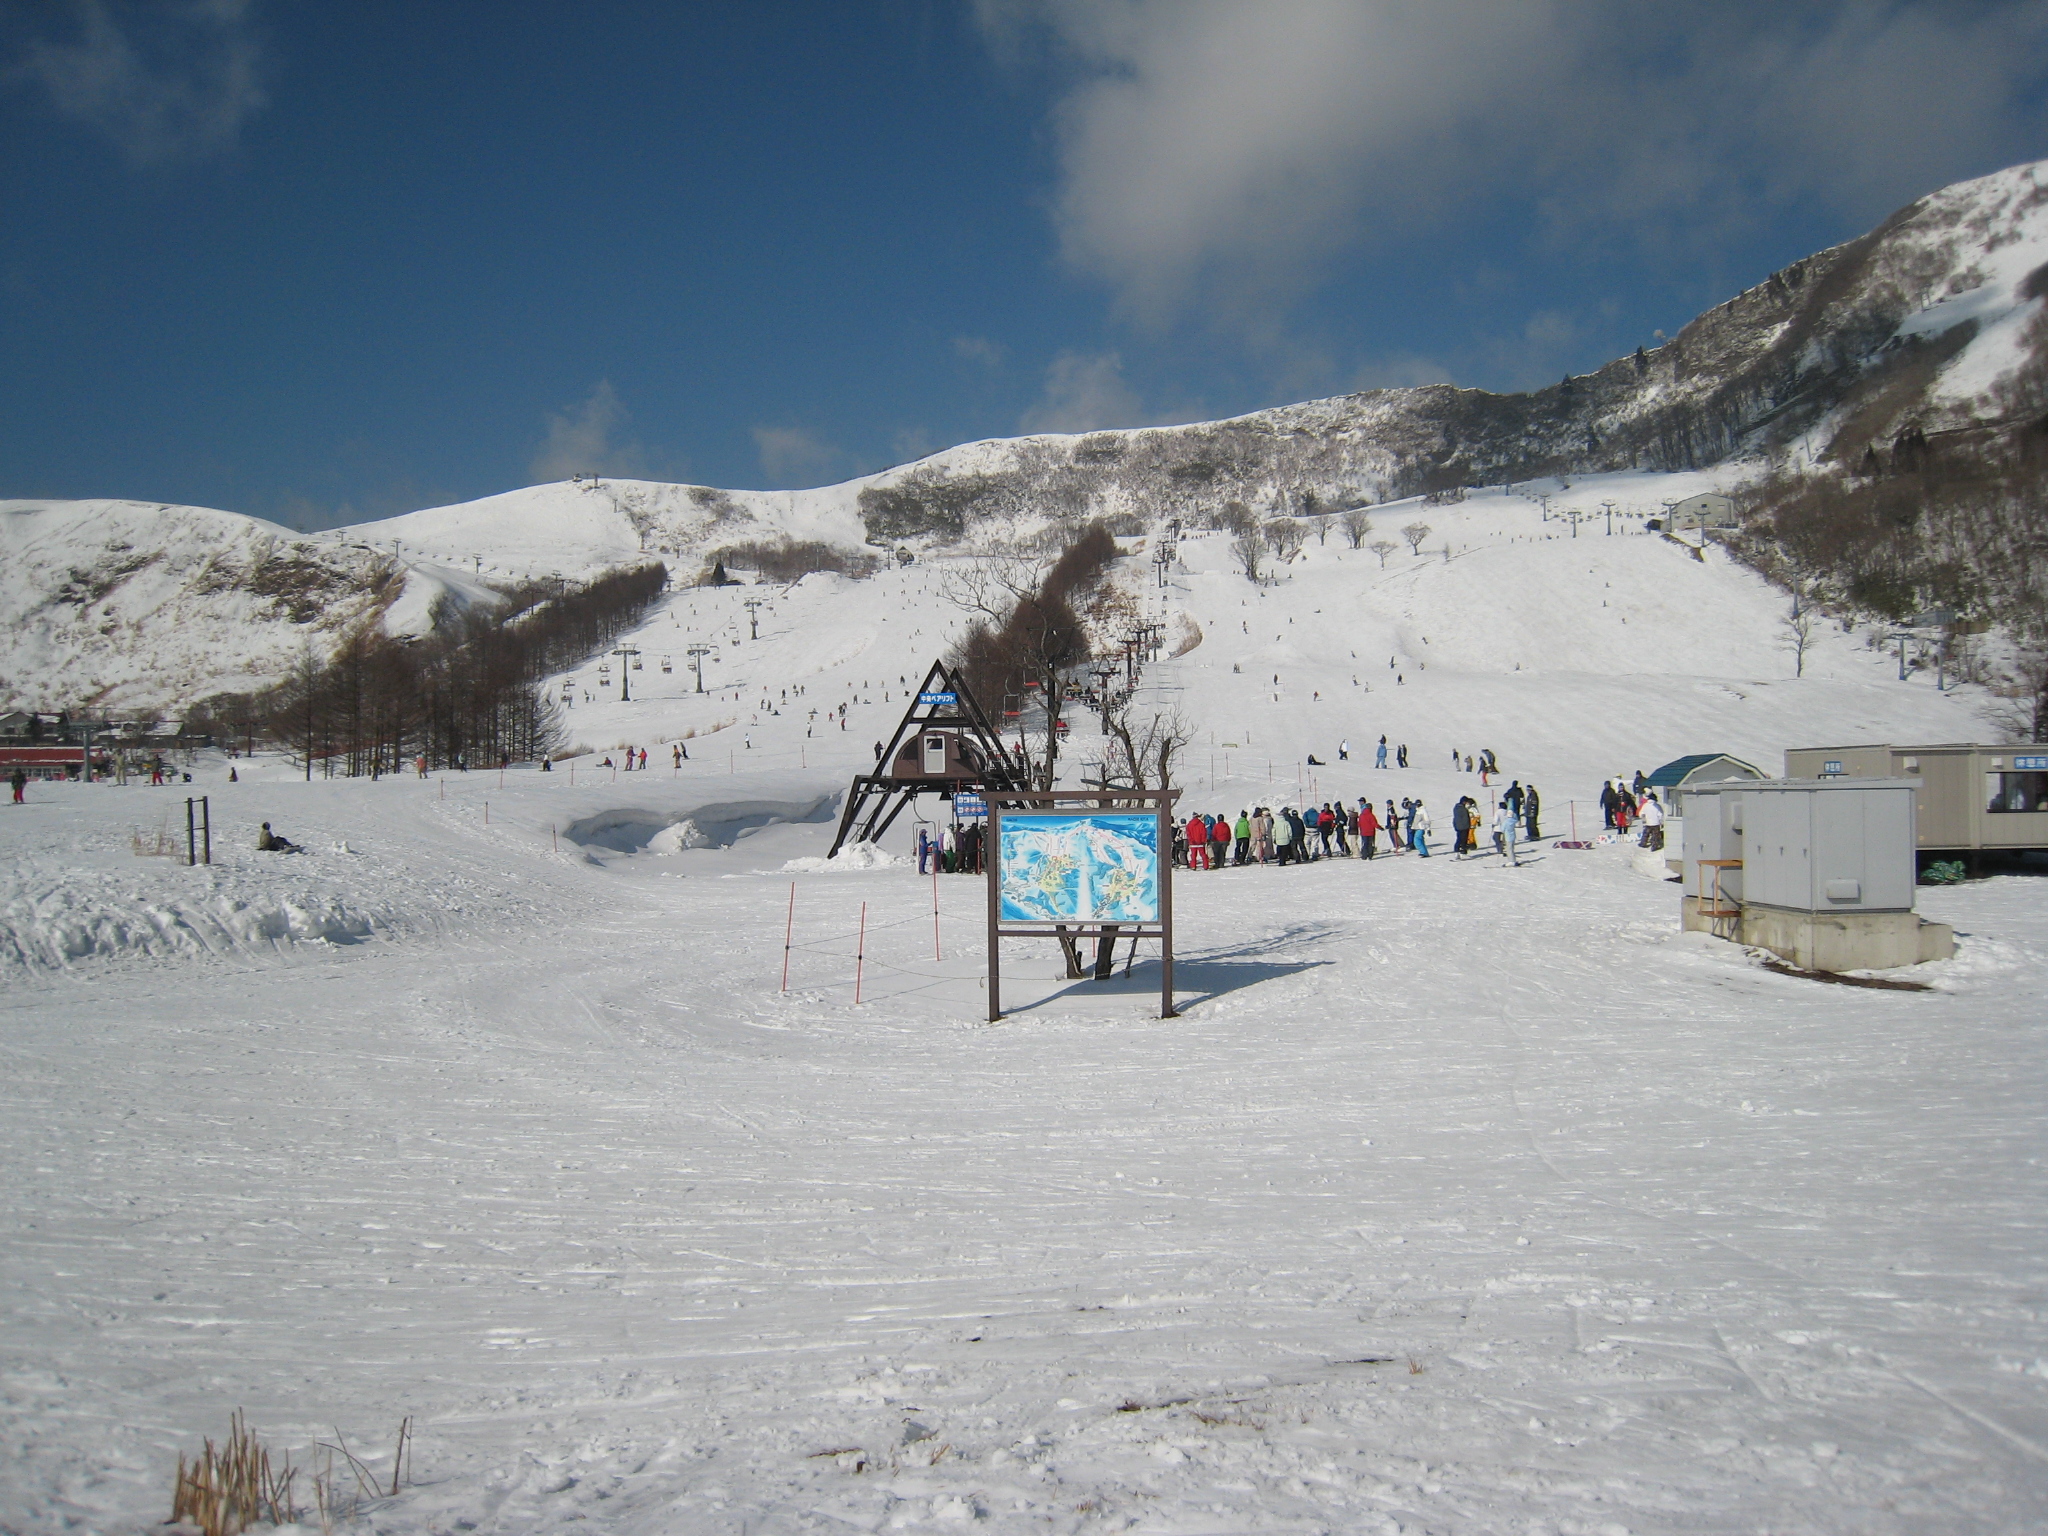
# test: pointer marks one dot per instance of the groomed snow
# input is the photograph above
(1459, 1199)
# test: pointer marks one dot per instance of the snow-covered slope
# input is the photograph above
(122, 603)
(1591, 654)
(1459, 1198)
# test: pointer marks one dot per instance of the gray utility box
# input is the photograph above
(1710, 843)
(1829, 845)
(1826, 874)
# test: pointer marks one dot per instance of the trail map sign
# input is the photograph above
(1073, 864)
(1083, 867)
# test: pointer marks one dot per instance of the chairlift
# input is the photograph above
(604, 669)
(639, 665)
(666, 666)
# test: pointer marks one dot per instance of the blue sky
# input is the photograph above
(328, 262)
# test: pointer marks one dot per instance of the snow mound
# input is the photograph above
(852, 856)
(53, 919)
(678, 837)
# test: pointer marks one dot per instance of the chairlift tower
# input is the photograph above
(753, 606)
(628, 655)
(697, 653)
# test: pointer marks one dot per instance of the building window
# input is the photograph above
(2018, 792)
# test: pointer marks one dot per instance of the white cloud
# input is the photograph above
(1219, 154)
(162, 81)
(979, 349)
(580, 440)
(793, 453)
(1084, 392)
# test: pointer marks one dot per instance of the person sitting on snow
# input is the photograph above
(268, 841)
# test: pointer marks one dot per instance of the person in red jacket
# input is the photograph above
(1198, 843)
(1368, 829)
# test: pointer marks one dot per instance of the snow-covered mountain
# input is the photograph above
(1929, 324)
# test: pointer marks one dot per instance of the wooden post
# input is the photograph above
(205, 831)
(860, 951)
(1166, 1008)
(788, 930)
(995, 944)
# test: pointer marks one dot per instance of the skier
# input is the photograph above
(1461, 823)
(1344, 751)
(1243, 832)
(1607, 803)
(1513, 799)
(18, 781)
(1401, 755)
(1530, 806)
(1198, 843)
(1380, 757)
(1418, 829)
(1283, 837)
(1393, 826)
(1368, 829)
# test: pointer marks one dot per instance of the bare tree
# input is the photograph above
(1284, 537)
(1357, 524)
(1250, 549)
(1797, 627)
(1383, 548)
(1144, 743)
(1415, 533)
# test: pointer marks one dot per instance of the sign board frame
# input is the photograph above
(1082, 804)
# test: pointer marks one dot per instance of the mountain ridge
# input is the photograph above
(1927, 325)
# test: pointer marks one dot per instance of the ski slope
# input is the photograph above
(1460, 1198)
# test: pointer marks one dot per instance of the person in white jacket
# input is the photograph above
(1651, 814)
(1418, 830)
(1506, 826)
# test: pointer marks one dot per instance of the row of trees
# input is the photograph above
(470, 692)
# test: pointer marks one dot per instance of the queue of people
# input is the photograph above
(1286, 835)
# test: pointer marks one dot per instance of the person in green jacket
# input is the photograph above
(1243, 832)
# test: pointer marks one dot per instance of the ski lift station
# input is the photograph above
(1971, 800)
(1822, 871)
